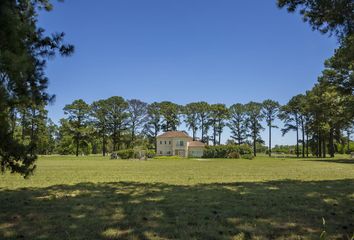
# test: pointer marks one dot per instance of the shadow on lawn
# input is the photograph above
(345, 161)
(128, 210)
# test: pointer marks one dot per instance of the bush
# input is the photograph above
(150, 153)
(233, 155)
(247, 156)
(126, 154)
(226, 151)
(245, 149)
(136, 154)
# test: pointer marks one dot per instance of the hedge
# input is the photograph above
(131, 153)
(227, 151)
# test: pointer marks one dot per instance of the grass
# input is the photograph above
(96, 198)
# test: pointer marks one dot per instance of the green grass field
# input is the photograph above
(97, 198)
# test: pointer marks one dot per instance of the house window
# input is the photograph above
(169, 153)
(161, 142)
(161, 152)
(180, 144)
(169, 142)
(165, 142)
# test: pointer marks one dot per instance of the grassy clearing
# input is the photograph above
(96, 198)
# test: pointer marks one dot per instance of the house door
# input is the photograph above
(180, 153)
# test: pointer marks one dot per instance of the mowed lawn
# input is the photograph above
(97, 198)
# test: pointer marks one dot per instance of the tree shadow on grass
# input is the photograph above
(128, 210)
(345, 161)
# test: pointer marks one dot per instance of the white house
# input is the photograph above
(178, 143)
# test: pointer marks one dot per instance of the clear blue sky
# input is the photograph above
(183, 51)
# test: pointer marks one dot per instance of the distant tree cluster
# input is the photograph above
(322, 118)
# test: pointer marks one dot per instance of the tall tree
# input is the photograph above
(270, 111)
(153, 124)
(170, 113)
(332, 112)
(218, 115)
(78, 116)
(237, 123)
(290, 114)
(99, 113)
(117, 119)
(24, 49)
(137, 117)
(203, 114)
(191, 118)
(254, 118)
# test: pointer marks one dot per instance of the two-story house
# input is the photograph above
(178, 143)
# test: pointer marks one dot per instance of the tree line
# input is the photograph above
(322, 119)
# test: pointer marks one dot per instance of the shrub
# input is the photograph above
(245, 149)
(233, 155)
(226, 151)
(150, 153)
(247, 156)
(126, 154)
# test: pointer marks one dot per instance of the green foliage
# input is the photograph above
(343, 148)
(150, 153)
(226, 151)
(203, 114)
(78, 122)
(254, 116)
(334, 16)
(237, 123)
(24, 51)
(170, 115)
(247, 156)
(190, 112)
(137, 117)
(218, 114)
(126, 153)
(233, 155)
(135, 153)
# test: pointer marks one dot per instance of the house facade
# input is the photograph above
(178, 143)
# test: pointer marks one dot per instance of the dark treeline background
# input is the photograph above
(321, 117)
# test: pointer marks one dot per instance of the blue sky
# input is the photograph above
(183, 51)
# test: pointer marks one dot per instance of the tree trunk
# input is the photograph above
(32, 141)
(270, 140)
(254, 142)
(132, 135)
(104, 145)
(119, 141)
(331, 142)
(319, 141)
(307, 144)
(219, 138)
(202, 126)
(348, 134)
(77, 144)
(155, 139)
(23, 123)
(303, 138)
(323, 146)
(297, 141)
(214, 135)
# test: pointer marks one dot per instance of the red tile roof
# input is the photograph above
(196, 144)
(173, 134)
